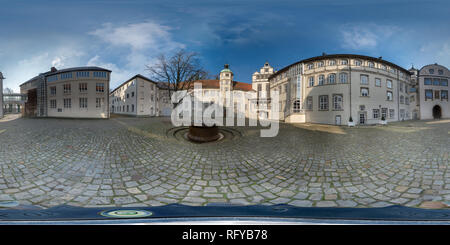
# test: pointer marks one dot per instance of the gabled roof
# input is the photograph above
(215, 84)
(135, 76)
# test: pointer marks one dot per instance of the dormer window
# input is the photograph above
(431, 71)
(440, 72)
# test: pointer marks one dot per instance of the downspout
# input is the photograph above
(350, 82)
(398, 97)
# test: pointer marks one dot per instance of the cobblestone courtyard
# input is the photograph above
(132, 162)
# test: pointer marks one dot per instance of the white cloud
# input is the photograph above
(138, 36)
(22, 70)
(365, 35)
(437, 51)
(144, 42)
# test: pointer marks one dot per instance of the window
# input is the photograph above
(100, 87)
(444, 95)
(332, 78)
(427, 81)
(83, 103)
(323, 102)
(377, 82)
(128, 96)
(67, 88)
(383, 67)
(337, 102)
(402, 99)
(151, 97)
(376, 113)
(99, 73)
(132, 108)
(428, 94)
(384, 113)
(132, 94)
(401, 87)
(128, 108)
(391, 113)
(66, 75)
(53, 104)
(297, 106)
(309, 103)
(321, 78)
(98, 102)
(406, 88)
(311, 81)
(364, 92)
(310, 66)
(82, 74)
(343, 77)
(371, 64)
(436, 82)
(320, 64)
(52, 78)
(389, 95)
(388, 83)
(67, 103)
(53, 90)
(364, 79)
(431, 71)
(344, 62)
(83, 87)
(440, 72)
(332, 62)
(357, 63)
(362, 107)
(437, 94)
(444, 82)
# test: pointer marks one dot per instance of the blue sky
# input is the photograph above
(124, 36)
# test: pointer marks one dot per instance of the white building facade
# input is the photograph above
(331, 89)
(432, 92)
(140, 96)
(80, 92)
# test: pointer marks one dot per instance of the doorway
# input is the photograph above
(337, 120)
(362, 118)
(437, 112)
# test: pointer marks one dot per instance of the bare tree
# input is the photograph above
(8, 91)
(177, 72)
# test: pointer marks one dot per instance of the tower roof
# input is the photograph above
(226, 69)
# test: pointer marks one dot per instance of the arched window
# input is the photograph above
(343, 77)
(311, 81)
(332, 78)
(321, 78)
(297, 106)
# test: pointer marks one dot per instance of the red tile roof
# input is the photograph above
(215, 84)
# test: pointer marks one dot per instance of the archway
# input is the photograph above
(437, 112)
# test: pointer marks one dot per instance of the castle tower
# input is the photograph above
(226, 82)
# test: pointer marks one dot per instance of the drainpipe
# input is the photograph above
(398, 97)
(350, 82)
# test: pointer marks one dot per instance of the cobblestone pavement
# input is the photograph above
(132, 162)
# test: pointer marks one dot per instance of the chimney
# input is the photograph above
(53, 69)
